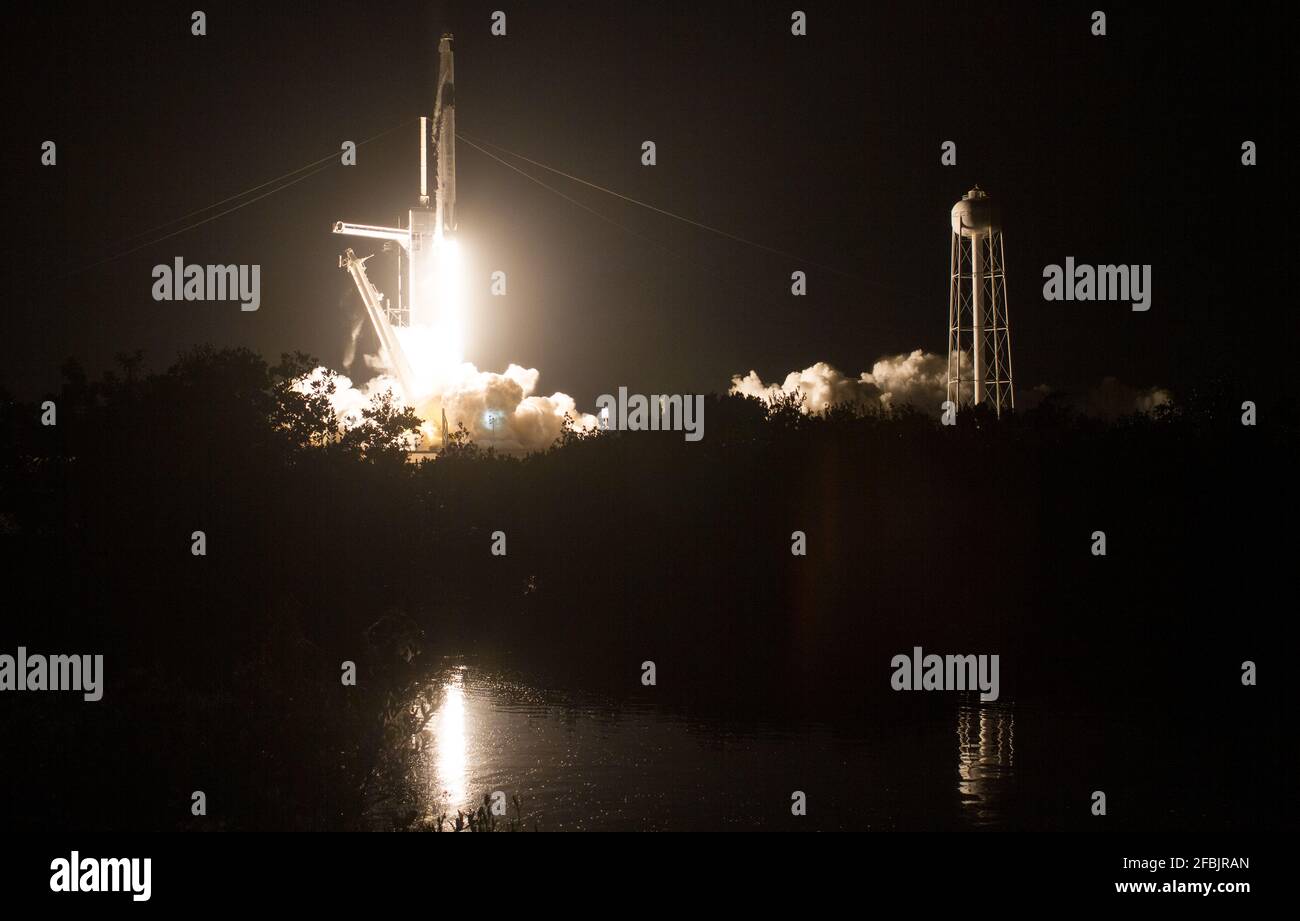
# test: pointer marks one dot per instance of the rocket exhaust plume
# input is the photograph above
(498, 410)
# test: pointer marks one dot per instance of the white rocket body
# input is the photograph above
(429, 226)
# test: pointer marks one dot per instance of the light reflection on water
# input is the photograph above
(588, 763)
(986, 759)
(451, 744)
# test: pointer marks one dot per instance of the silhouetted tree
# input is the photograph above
(304, 406)
(386, 432)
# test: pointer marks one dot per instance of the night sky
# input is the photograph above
(1117, 149)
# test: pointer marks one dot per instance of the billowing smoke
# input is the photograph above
(820, 385)
(498, 410)
(917, 378)
(1112, 398)
(1109, 400)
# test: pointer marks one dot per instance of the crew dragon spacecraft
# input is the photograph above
(427, 271)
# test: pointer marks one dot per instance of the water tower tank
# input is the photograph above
(975, 215)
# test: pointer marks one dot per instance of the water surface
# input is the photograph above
(584, 762)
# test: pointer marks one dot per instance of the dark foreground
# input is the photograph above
(1119, 673)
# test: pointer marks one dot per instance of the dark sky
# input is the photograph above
(1117, 149)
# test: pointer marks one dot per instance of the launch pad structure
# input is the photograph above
(422, 245)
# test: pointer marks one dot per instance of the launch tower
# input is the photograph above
(425, 245)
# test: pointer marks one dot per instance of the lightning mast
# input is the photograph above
(421, 241)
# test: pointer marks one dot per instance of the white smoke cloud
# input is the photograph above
(348, 401)
(920, 379)
(917, 378)
(350, 352)
(821, 386)
(1112, 398)
(501, 410)
(498, 410)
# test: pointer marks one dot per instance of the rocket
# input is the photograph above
(428, 225)
(444, 138)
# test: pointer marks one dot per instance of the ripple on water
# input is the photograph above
(582, 762)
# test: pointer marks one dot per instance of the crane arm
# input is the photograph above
(376, 232)
(383, 329)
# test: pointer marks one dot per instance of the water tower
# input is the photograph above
(979, 340)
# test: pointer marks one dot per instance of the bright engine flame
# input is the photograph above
(500, 410)
(451, 299)
(434, 343)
